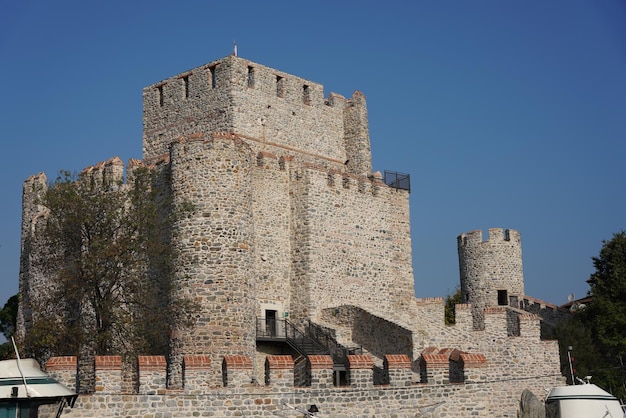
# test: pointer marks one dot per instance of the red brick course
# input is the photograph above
(360, 361)
(152, 363)
(238, 362)
(197, 362)
(398, 361)
(108, 362)
(280, 362)
(321, 362)
(61, 363)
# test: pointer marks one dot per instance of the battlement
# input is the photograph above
(498, 321)
(107, 175)
(495, 235)
(237, 372)
(549, 313)
(434, 301)
(270, 107)
(236, 73)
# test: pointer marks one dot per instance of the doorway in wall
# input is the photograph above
(270, 322)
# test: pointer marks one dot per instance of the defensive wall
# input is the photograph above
(453, 380)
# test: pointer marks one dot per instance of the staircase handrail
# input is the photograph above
(337, 351)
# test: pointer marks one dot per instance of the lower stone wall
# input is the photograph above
(491, 399)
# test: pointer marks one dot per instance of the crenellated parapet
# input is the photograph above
(446, 365)
(458, 382)
(236, 372)
(275, 110)
(105, 175)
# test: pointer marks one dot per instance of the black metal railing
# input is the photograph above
(282, 329)
(398, 180)
(315, 339)
(337, 351)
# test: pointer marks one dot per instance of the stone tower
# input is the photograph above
(213, 246)
(259, 154)
(491, 271)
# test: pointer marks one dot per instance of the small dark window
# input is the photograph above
(160, 89)
(213, 76)
(250, 77)
(280, 86)
(306, 94)
(503, 298)
(186, 86)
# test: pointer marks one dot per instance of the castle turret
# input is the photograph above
(357, 137)
(491, 271)
(31, 279)
(213, 238)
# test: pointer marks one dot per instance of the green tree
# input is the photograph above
(605, 315)
(107, 253)
(8, 319)
(575, 334)
(451, 301)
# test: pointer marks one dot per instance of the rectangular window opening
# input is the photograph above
(306, 94)
(503, 298)
(213, 76)
(250, 77)
(280, 86)
(160, 89)
(186, 85)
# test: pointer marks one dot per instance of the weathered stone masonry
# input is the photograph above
(289, 219)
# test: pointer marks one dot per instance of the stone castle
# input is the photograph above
(299, 255)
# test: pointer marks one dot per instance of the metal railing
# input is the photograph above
(314, 340)
(337, 351)
(399, 181)
(282, 329)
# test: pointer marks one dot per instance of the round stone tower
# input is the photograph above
(212, 233)
(491, 271)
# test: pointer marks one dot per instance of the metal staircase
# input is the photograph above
(314, 340)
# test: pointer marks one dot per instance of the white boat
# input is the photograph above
(27, 392)
(582, 401)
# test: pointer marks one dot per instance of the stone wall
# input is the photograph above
(476, 394)
(358, 244)
(271, 216)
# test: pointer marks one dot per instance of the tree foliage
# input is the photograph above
(605, 315)
(8, 319)
(108, 258)
(597, 332)
(451, 301)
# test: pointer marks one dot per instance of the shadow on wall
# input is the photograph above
(375, 334)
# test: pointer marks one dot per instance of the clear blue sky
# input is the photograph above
(505, 113)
